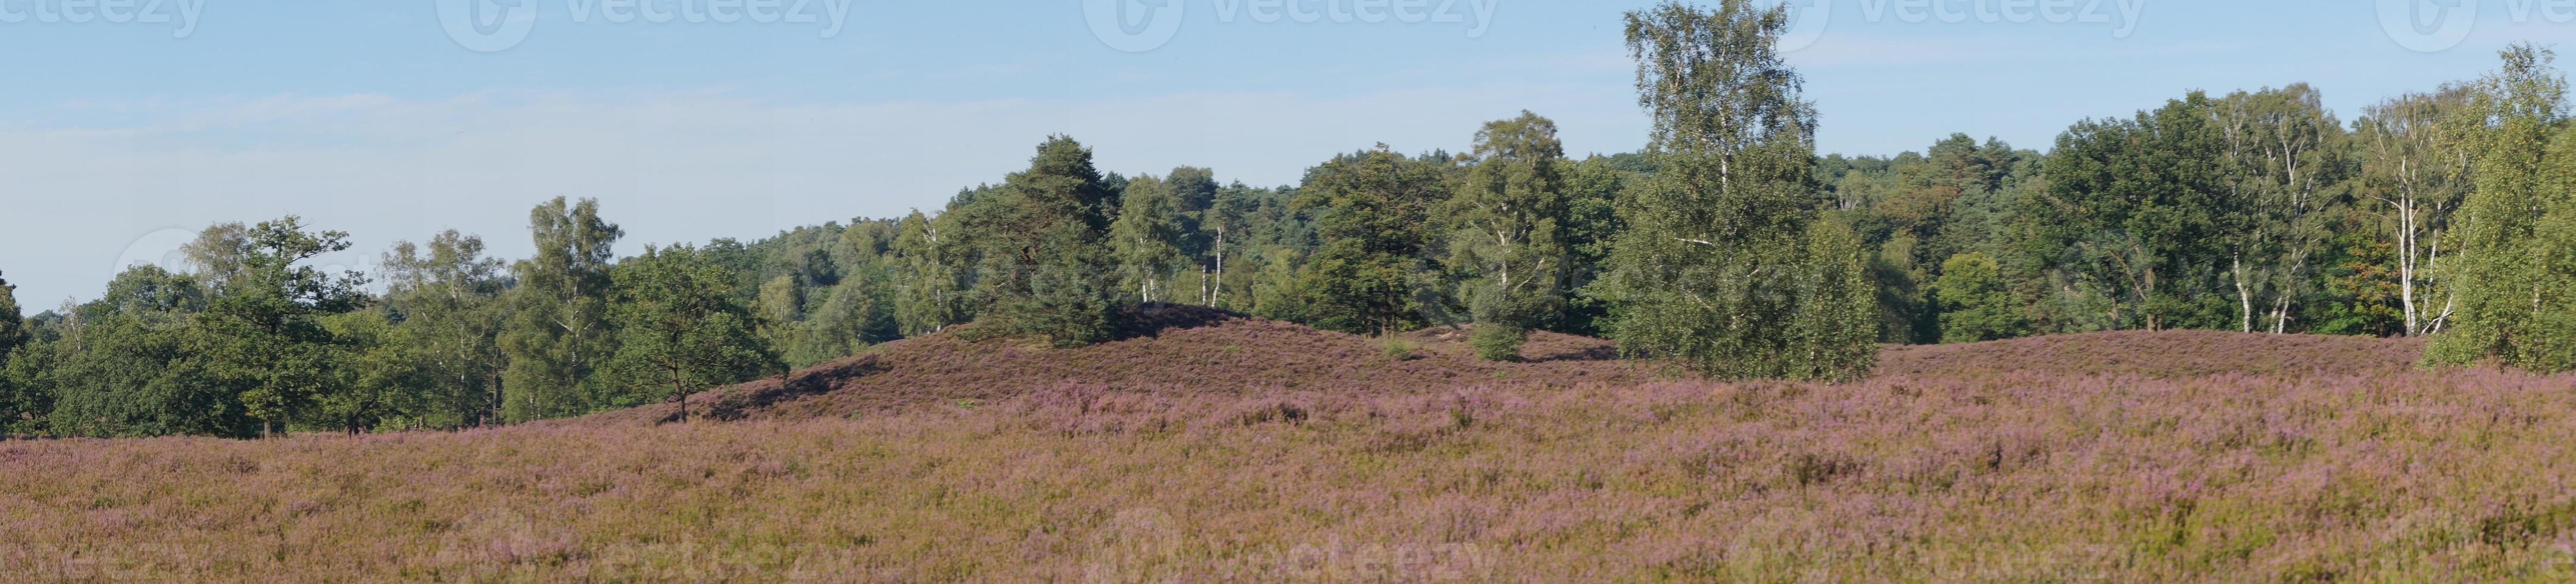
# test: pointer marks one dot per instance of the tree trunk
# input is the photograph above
(2244, 297)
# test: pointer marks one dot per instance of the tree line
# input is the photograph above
(2446, 214)
(1726, 245)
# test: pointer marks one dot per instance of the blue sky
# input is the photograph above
(119, 138)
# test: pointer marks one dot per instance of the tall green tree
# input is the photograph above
(558, 333)
(1148, 237)
(2415, 172)
(2513, 292)
(1374, 217)
(856, 313)
(1048, 268)
(935, 271)
(124, 367)
(2137, 209)
(2287, 173)
(13, 324)
(17, 406)
(1510, 217)
(1592, 226)
(263, 334)
(446, 296)
(1722, 266)
(1224, 226)
(1976, 304)
(216, 256)
(683, 331)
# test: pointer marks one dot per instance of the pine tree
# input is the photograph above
(1720, 267)
(1375, 210)
(1047, 265)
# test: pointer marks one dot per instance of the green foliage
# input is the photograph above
(1720, 266)
(1047, 268)
(1374, 207)
(446, 299)
(13, 324)
(1592, 190)
(1976, 305)
(2515, 277)
(1509, 219)
(2133, 210)
(558, 334)
(681, 330)
(1147, 238)
(1497, 341)
(2361, 289)
(262, 335)
(1398, 348)
(124, 369)
(935, 263)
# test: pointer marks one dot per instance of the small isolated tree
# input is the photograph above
(1976, 303)
(1720, 266)
(683, 331)
(1509, 220)
(1046, 256)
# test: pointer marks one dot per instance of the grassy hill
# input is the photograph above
(1209, 445)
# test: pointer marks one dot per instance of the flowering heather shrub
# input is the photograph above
(1147, 472)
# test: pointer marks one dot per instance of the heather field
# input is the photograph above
(1215, 448)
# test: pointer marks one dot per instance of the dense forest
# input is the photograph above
(1726, 245)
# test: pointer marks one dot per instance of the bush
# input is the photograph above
(1398, 348)
(1497, 342)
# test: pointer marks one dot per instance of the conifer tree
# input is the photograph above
(1047, 266)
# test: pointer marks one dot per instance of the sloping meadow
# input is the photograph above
(1939, 471)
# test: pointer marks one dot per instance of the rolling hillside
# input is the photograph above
(1212, 446)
